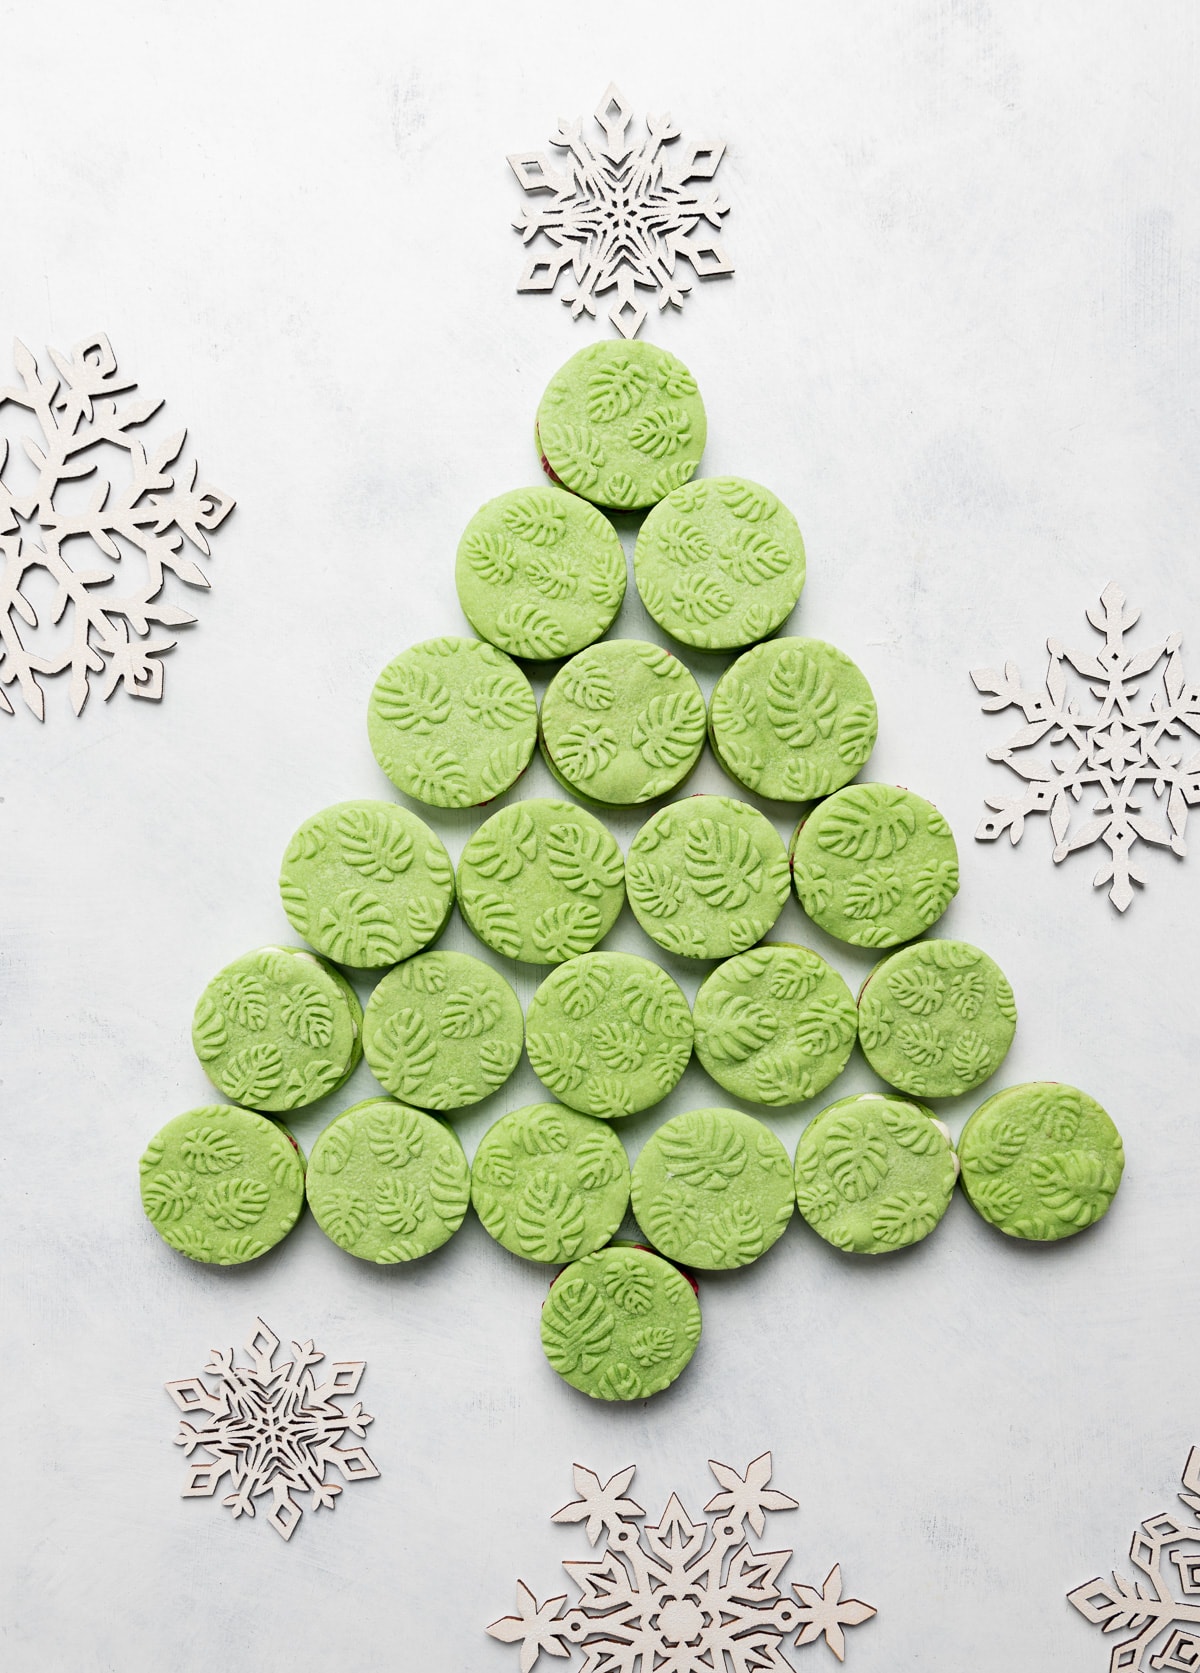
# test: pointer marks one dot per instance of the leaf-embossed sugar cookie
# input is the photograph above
(622, 424)
(542, 881)
(713, 1188)
(609, 1033)
(874, 865)
(936, 1018)
(550, 1184)
(620, 1324)
(622, 722)
(452, 722)
(1041, 1161)
(443, 1030)
(388, 1183)
(874, 1173)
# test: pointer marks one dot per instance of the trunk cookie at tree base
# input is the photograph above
(720, 563)
(622, 424)
(222, 1185)
(937, 1018)
(443, 1030)
(793, 719)
(874, 1173)
(1041, 1161)
(367, 883)
(874, 865)
(550, 1184)
(453, 722)
(707, 877)
(277, 1029)
(609, 1033)
(622, 722)
(713, 1188)
(541, 881)
(775, 1025)
(540, 573)
(621, 1324)
(388, 1183)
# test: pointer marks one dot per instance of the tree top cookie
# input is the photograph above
(443, 1030)
(936, 1018)
(621, 1324)
(550, 1184)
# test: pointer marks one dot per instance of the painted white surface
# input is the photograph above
(962, 344)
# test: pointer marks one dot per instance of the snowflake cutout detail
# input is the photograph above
(1147, 1606)
(681, 1596)
(621, 214)
(272, 1429)
(1124, 756)
(53, 531)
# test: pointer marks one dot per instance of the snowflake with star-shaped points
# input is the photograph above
(1131, 758)
(681, 1596)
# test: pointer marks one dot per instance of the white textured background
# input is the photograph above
(962, 344)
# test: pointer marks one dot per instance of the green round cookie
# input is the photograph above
(720, 563)
(621, 1324)
(367, 883)
(222, 1185)
(775, 1025)
(540, 573)
(874, 865)
(278, 1028)
(388, 1183)
(707, 876)
(1041, 1161)
(443, 1030)
(874, 1173)
(609, 1033)
(713, 1188)
(622, 424)
(792, 719)
(541, 881)
(936, 1018)
(623, 722)
(550, 1184)
(452, 722)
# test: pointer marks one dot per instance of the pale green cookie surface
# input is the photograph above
(222, 1185)
(713, 1188)
(720, 563)
(874, 1174)
(550, 1184)
(278, 1028)
(623, 722)
(540, 573)
(622, 424)
(936, 1018)
(792, 719)
(452, 722)
(443, 1030)
(621, 1324)
(1041, 1161)
(541, 881)
(707, 876)
(609, 1033)
(775, 1025)
(874, 865)
(367, 883)
(388, 1183)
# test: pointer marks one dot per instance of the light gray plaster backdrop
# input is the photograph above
(962, 344)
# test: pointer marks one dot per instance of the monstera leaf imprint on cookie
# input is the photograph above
(936, 1018)
(620, 1324)
(550, 1184)
(443, 1030)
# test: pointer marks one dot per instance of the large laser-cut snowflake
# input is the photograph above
(1123, 756)
(622, 214)
(156, 505)
(682, 1596)
(1165, 1627)
(272, 1429)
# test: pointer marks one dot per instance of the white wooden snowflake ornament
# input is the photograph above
(680, 1596)
(1132, 757)
(272, 1429)
(621, 214)
(84, 542)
